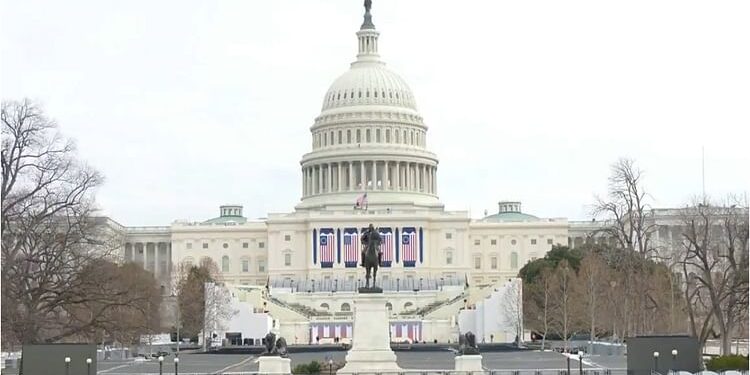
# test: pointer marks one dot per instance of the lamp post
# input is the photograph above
(330, 366)
(161, 363)
(88, 366)
(580, 362)
(67, 365)
(656, 361)
(176, 363)
(674, 360)
(568, 357)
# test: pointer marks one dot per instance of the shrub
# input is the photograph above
(727, 362)
(308, 368)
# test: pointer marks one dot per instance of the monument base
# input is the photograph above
(469, 363)
(274, 365)
(371, 344)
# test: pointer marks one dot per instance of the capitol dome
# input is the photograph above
(369, 83)
(369, 143)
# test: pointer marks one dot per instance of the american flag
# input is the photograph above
(361, 202)
(351, 247)
(409, 246)
(386, 246)
(327, 244)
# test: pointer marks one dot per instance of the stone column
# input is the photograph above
(156, 260)
(351, 176)
(362, 178)
(397, 185)
(338, 177)
(434, 180)
(329, 188)
(374, 175)
(386, 178)
(304, 182)
(320, 179)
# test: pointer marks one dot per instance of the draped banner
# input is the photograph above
(351, 247)
(409, 246)
(327, 240)
(386, 246)
(409, 329)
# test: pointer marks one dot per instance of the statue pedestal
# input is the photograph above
(469, 363)
(371, 344)
(273, 364)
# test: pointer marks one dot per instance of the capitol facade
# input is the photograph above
(369, 162)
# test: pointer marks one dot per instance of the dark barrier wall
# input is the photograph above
(641, 354)
(50, 359)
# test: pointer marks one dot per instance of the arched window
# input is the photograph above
(245, 264)
(449, 257)
(345, 307)
(398, 136)
(287, 260)
(367, 135)
(359, 136)
(348, 136)
(324, 306)
(404, 136)
(340, 137)
(225, 263)
(408, 305)
(388, 306)
(514, 260)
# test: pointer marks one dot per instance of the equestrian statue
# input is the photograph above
(371, 256)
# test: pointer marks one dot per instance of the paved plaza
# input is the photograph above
(418, 360)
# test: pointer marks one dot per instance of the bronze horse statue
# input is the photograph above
(370, 254)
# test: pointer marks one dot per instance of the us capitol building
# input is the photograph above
(369, 147)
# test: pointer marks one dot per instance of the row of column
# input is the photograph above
(132, 254)
(367, 175)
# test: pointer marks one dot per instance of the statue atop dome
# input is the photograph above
(368, 17)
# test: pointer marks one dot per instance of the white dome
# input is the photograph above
(369, 83)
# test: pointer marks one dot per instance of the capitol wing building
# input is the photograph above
(369, 163)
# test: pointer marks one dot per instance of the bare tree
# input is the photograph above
(218, 309)
(626, 209)
(715, 265)
(563, 301)
(51, 237)
(591, 279)
(513, 308)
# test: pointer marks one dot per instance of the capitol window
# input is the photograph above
(287, 237)
(549, 241)
(514, 260)
(205, 245)
(360, 94)
(287, 260)
(376, 94)
(377, 135)
(477, 262)
(261, 244)
(449, 257)
(189, 245)
(359, 136)
(367, 135)
(348, 136)
(512, 242)
(225, 264)
(477, 242)
(262, 265)
(387, 135)
(398, 136)
(448, 236)
(225, 245)
(533, 241)
(493, 242)
(340, 137)
(245, 265)
(493, 263)
(245, 245)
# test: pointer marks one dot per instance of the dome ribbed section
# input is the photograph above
(369, 84)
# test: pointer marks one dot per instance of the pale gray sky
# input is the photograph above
(185, 105)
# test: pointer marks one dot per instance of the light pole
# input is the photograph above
(67, 365)
(161, 363)
(656, 361)
(330, 366)
(568, 357)
(176, 362)
(674, 360)
(88, 366)
(177, 303)
(580, 362)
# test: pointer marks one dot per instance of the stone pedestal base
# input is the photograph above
(371, 344)
(469, 363)
(274, 365)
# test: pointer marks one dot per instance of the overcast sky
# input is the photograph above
(185, 105)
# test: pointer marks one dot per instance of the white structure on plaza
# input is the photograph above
(369, 149)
